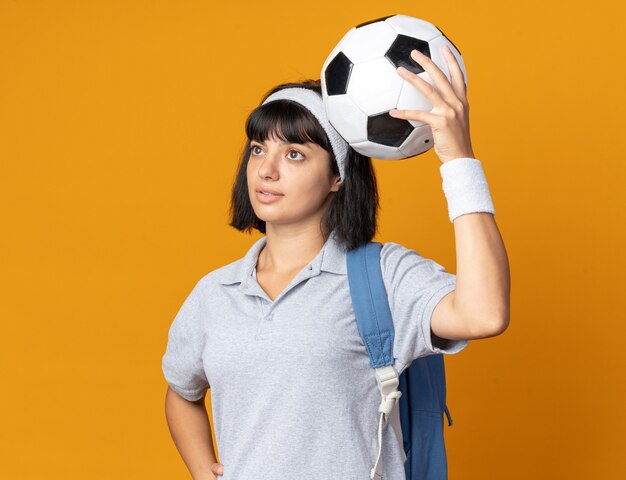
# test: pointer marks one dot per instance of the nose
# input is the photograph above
(268, 167)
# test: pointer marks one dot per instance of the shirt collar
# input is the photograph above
(331, 258)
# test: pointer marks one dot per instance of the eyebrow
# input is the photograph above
(306, 145)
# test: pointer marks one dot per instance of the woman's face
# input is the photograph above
(298, 176)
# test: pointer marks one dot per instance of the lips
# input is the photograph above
(268, 190)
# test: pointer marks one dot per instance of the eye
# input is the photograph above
(252, 147)
(296, 151)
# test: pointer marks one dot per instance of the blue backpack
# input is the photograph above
(420, 391)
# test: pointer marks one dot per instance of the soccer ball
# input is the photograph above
(360, 85)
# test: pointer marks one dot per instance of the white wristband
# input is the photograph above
(465, 187)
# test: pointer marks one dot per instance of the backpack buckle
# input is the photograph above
(388, 379)
(388, 382)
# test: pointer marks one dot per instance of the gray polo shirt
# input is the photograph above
(292, 390)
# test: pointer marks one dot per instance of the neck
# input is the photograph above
(289, 248)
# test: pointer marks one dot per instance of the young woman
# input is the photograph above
(273, 334)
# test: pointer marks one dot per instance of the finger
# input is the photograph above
(440, 80)
(418, 115)
(422, 85)
(458, 81)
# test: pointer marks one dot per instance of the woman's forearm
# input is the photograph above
(191, 431)
(482, 269)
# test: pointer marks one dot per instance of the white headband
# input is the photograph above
(313, 102)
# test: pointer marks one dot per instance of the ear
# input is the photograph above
(337, 183)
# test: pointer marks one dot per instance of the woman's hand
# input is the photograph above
(217, 469)
(449, 118)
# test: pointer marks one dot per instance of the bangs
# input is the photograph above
(288, 121)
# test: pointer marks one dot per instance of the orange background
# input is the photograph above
(121, 123)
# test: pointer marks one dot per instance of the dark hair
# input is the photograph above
(354, 207)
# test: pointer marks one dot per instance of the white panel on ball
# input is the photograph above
(368, 42)
(375, 86)
(412, 99)
(347, 118)
(416, 142)
(436, 54)
(413, 27)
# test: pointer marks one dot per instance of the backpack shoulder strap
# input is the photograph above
(373, 317)
(369, 301)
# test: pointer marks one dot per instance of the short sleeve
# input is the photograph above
(182, 362)
(415, 285)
